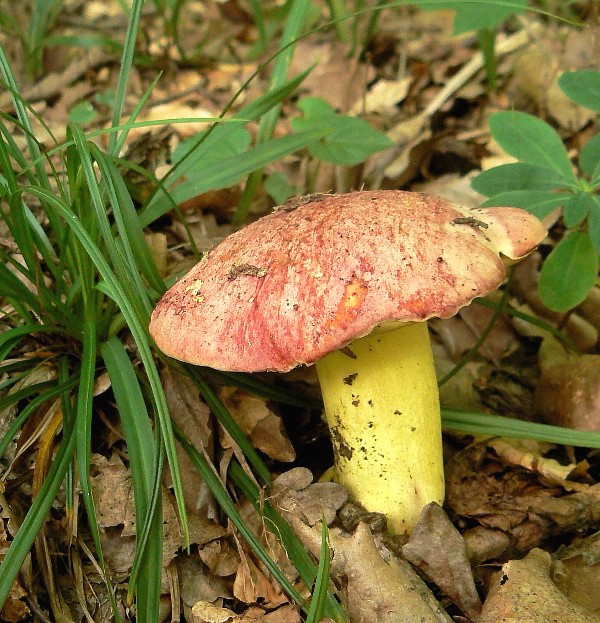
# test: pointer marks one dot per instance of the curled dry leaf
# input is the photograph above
(194, 419)
(264, 428)
(577, 570)
(377, 588)
(206, 612)
(295, 495)
(438, 550)
(518, 502)
(251, 585)
(523, 591)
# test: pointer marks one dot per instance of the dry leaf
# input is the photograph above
(284, 614)
(253, 586)
(568, 393)
(113, 494)
(194, 419)
(578, 570)
(524, 593)
(438, 550)
(220, 558)
(518, 502)
(264, 429)
(382, 97)
(295, 495)
(205, 612)
(377, 589)
(197, 584)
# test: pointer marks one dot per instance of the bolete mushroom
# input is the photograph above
(347, 282)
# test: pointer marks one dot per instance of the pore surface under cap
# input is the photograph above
(298, 284)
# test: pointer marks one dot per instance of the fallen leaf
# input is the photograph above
(192, 415)
(263, 427)
(577, 570)
(438, 550)
(377, 589)
(568, 393)
(523, 592)
(251, 585)
(197, 584)
(294, 494)
(206, 612)
(518, 502)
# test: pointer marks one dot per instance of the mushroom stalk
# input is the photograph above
(382, 407)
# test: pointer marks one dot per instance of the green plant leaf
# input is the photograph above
(583, 87)
(488, 424)
(229, 172)
(576, 208)
(318, 601)
(569, 272)
(594, 223)
(82, 113)
(279, 188)
(531, 140)
(207, 148)
(516, 176)
(348, 140)
(537, 202)
(485, 15)
(589, 156)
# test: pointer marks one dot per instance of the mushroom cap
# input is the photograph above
(322, 271)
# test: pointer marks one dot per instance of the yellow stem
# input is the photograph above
(382, 406)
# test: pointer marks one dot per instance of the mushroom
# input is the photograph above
(347, 282)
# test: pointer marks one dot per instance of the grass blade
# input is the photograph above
(142, 454)
(317, 603)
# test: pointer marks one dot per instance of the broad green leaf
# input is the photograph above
(583, 87)
(487, 14)
(279, 188)
(348, 141)
(594, 223)
(531, 140)
(569, 272)
(226, 173)
(576, 208)
(516, 176)
(538, 202)
(206, 148)
(82, 113)
(589, 156)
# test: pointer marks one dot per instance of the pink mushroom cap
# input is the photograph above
(312, 276)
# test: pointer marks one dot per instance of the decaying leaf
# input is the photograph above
(194, 418)
(205, 612)
(438, 550)
(378, 587)
(523, 592)
(576, 572)
(264, 428)
(516, 501)
(295, 495)
(197, 584)
(253, 586)
(568, 393)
